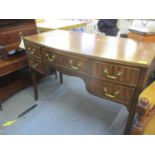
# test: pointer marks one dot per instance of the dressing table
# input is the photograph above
(113, 68)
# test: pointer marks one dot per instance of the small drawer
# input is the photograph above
(76, 63)
(33, 50)
(112, 91)
(51, 56)
(35, 64)
(115, 73)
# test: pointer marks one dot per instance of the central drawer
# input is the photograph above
(115, 73)
(76, 63)
(51, 56)
(112, 91)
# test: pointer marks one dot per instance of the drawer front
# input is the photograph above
(51, 56)
(112, 91)
(76, 63)
(35, 64)
(115, 73)
(33, 50)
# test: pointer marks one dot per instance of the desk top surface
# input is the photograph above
(97, 45)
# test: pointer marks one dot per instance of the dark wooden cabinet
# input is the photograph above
(14, 74)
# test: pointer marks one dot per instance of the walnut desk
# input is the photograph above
(113, 68)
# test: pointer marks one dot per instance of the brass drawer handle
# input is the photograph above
(106, 73)
(74, 67)
(50, 59)
(116, 93)
(34, 65)
(31, 51)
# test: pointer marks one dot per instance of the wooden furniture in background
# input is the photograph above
(116, 69)
(145, 112)
(144, 121)
(13, 62)
(150, 128)
(146, 38)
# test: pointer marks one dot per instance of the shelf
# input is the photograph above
(12, 64)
